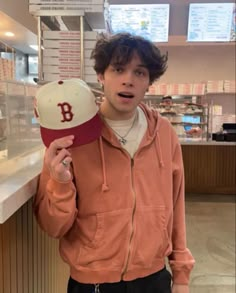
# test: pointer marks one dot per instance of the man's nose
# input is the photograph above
(128, 79)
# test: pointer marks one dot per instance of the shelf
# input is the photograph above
(186, 104)
(194, 104)
(158, 97)
(183, 114)
(170, 113)
(195, 114)
(188, 123)
(223, 93)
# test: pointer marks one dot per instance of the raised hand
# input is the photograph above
(58, 158)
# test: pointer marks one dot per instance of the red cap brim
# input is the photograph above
(84, 133)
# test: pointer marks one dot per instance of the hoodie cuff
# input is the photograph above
(181, 277)
(61, 191)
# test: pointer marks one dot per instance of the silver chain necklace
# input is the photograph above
(122, 139)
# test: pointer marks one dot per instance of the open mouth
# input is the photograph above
(126, 95)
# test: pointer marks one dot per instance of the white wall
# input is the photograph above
(199, 63)
(227, 101)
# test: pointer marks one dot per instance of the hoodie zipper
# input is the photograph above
(132, 223)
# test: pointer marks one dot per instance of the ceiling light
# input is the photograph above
(9, 34)
(35, 47)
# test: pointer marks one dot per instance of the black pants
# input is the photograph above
(159, 282)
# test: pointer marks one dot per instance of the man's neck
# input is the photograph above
(110, 113)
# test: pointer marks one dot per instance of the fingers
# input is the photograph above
(61, 143)
(60, 156)
(57, 153)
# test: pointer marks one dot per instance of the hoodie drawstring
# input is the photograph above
(104, 185)
(158, 150)
(96, 288)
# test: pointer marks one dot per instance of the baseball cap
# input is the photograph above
(67, 107)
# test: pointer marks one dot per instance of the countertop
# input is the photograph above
(209, 143)
(18, 181)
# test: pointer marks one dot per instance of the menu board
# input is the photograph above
(150, 21)
(233, 28)
(210, 22)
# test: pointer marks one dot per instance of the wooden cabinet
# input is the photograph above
(29, 259)
(210, 168)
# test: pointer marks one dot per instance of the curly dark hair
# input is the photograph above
(119, 49)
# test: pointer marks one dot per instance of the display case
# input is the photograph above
(19, 130)
(189, 119)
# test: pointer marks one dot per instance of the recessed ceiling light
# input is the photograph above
(35, 47)
(9, 34)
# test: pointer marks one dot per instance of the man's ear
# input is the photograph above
(100, 78)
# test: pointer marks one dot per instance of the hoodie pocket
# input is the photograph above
(105, 247)
(90, 230)
(150, 236)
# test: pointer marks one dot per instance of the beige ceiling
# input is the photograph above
(23, 36)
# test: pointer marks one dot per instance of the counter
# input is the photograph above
(210, 167)
(207, 143)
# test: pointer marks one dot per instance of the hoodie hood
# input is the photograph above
(154, 121)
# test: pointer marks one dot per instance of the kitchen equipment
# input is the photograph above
(229, 130)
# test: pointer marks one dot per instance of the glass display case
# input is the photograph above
(19, 130)
(189, 119)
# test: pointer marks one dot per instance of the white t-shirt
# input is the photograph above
(132, 130)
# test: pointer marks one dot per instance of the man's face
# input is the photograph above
(124, 88)
(168, 102)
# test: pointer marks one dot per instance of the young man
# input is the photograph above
(119, 209)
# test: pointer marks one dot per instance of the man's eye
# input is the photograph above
(118, 69)
(140, 73)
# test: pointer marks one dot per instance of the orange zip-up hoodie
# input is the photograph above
(120, 217)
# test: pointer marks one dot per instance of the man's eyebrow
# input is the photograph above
(142, 65)
(120, 64)
(115, 64)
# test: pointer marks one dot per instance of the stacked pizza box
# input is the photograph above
(72, 7)
(198, 88)
(6, 69)
(62, 49)
(229, 86)
(1, 69)
(89, 44)
(180, 89)
(215, 86)
(62, 55)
